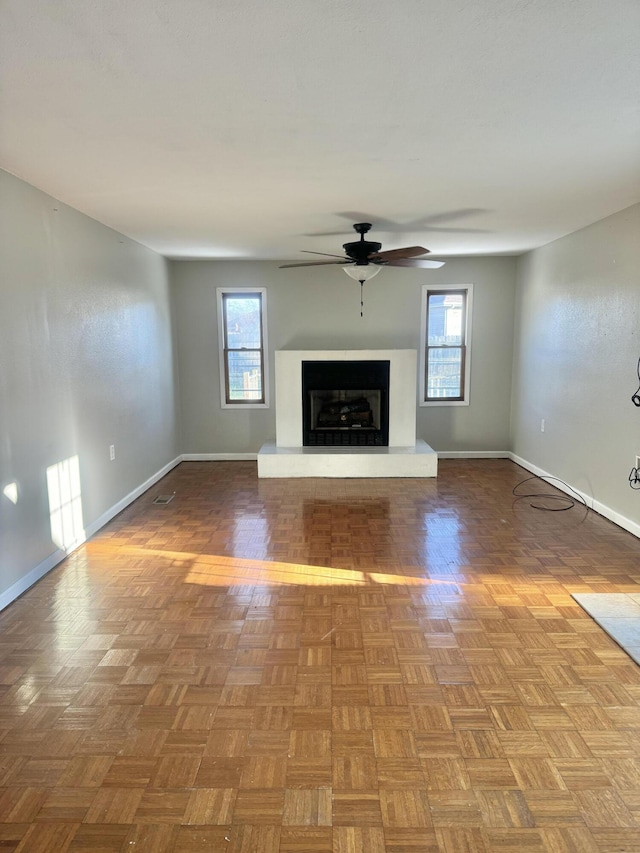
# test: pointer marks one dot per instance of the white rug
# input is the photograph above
(618, 613)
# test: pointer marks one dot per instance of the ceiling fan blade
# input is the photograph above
(356, 216)
(438, 230)
(326, 234)
(327, 254)
(407, 252)
(416, 262)
(341, 263)
(446, 216)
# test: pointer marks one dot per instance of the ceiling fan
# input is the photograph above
(363, 258)
(364, 253)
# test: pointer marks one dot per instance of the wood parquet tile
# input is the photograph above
(324, 666)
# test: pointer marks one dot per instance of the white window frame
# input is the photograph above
(241, 404)
(426, 290)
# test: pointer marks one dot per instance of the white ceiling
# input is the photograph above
(247, 129)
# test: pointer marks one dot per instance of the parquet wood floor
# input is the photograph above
(324, 666)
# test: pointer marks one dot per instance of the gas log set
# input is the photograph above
(354, 414)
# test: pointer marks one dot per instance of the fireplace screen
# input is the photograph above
(345, 403)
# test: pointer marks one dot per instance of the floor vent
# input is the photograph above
(163, 499)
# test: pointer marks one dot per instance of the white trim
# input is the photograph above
(426, 289)
(602, 509)
(93, 528)
(219, 457)
(442, 402)
(265, 348)
(54, 559)
(28, 580)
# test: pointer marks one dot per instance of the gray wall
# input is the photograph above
(318, 308)
(577, 334)
(86, 360)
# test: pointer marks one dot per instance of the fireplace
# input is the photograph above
(401, 455)
(345, 403)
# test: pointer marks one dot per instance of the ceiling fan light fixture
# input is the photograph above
(362, 272)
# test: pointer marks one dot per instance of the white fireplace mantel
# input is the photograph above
(404, 457)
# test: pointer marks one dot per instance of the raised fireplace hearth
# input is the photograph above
(345, 403)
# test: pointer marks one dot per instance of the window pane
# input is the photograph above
(243, 322)
(444, 373)
(445, 319)
(245, 375)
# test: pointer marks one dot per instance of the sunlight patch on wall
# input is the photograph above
(10, 491)
(65, 503)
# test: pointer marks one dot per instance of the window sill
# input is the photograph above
(432, 403)
(238, 407)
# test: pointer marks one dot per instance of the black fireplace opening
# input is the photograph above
(345, 403)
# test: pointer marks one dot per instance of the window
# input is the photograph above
(446, 337)
(242, 320)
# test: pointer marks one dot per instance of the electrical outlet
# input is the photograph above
(542, 425)
(637, 462)
(112, 452)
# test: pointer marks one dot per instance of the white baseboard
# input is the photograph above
(442, 454)
(602, 509)
(93, 528)
(22, 585)
(218, 457)
(50, 562)
(474, 454)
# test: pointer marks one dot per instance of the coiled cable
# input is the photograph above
(567, 500)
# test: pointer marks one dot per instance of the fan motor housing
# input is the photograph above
(361, 249)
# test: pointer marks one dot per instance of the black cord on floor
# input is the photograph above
(635, 399)
(566, 499)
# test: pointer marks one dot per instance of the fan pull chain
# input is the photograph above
(361, 297)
